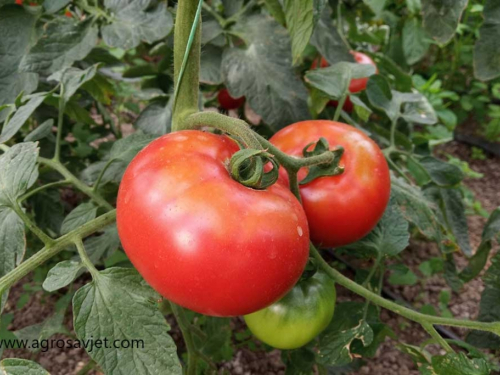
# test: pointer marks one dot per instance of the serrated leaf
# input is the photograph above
(16, 28)
(334, 80)
(440, 172)
(451, 204)
(61, 275)
(376, 5)
(402, 275)
(18, 172)
(328, 41)
(441, 17)
(347, 325)
(156, 118)
(12, 244)
(487, 48)
(459, 364)
(103, 245)
(262, 73)
(420, 112)
(43, 331)
(416, 208)
(118, 305)
(42, 131)
(72, 79)
(211, 59)
(63, 42)
(53, 6)
(121, 154)
(276, 10)
(135, 21)
(79, 216)
(21, 116)
(14, 366)
(488, 308)
(388, 238)
(415, 43)
(301, 18)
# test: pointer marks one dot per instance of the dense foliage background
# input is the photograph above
(86, 84)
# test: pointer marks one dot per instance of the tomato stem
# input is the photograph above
(187, 47)
(340, 105)
(54, 248)
(60, 120)
(184, 325)
(84, 257)
(31, 225)
(410, 314)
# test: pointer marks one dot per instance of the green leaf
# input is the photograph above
(49, 211)
(44, 130)
(72, 79)
(440, 172)
(416, 208)
(104, 245)
(488, 308)
(63, 42)
(334, 80)
(17, 27)
(299, 362)
(14, 366)
(415, 43)
(451, 204)
(328, 41)
(18, 172)
(53, 6)
(43, 331)
(156, 118)
(219, 346)
(419, 111)
(136, 21)
(210, 30)
(459, 364)
(487, 48)
(122, 152)
(347, 326)
(232, 6)
(388, 238)
(61, 275)
(210, 69)
(79, 216)
(402, 275)
(441, 17)
(12, 245)
(377, 6)
(119, 305)
(262, 73)
(276, 10)
(21, 116)
(301, 18)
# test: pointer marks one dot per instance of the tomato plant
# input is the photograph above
(344, 208)
(298, 317)
(166, 167)
(179, 209)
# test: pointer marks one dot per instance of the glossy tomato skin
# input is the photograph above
(227, 102)
(298, 317)
(344, 208)
(356, 85)
(200, 238)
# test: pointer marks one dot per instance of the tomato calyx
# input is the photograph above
(247, 166)
(325, 169)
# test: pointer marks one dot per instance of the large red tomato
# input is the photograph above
(357, 84)
(340, 209)
(200, 238)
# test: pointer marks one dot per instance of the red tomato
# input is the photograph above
(19, 2)
(227, 102)
(68, 14)
(340, 209)
(356, 85)
(200, 238)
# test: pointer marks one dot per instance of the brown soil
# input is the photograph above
(389, 361)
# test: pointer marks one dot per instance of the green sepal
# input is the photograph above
(322, 170)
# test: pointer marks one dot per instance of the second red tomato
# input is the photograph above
(344, 208)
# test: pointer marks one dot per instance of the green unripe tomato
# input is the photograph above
(298, 317)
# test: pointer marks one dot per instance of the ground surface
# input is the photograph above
(389, 361)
